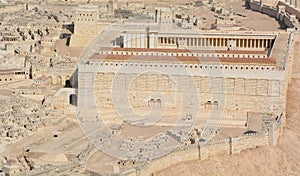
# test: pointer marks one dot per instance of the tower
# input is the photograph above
(110, 7)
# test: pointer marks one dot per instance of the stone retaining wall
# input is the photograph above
(233, 145)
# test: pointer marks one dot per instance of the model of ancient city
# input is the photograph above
(149, 87)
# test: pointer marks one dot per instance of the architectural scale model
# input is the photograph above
(97, 87)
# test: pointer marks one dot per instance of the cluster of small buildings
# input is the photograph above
(27, 37)
(21, 116)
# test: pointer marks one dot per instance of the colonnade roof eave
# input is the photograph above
(218, 35)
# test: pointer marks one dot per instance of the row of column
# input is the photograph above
(291, 2)
(253, 43)
(216, 42)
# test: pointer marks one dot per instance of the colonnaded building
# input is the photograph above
(117, 87)
(200, 80)
(206, 86)
(235, 72)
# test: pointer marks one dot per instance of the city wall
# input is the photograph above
(284, 13)
(233, 145)
(271, 11)
(290, 9)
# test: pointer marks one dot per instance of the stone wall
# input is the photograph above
(12, 75)
(284, 13)
(257, 90)
(254, 6)
(290, 9)
(59, 77)
(11, 8)
(87, 25)
(289, 57)
(190, 53)
(61, 99)
(85, 32)
(56, 7)
(276, 130)
(192, 153)
(271, 11)
(233, 145)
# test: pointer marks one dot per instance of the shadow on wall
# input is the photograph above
(73, 99)
(71, 82)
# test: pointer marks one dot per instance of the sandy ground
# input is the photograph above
(71, 140)
(255, 20)
(281, 160)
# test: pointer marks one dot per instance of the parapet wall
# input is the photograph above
(195, 54)
(289, 9)
(271, 11)
(254, 6)
(284, 13)
(233, 145)
(217, 69)
(11, 8)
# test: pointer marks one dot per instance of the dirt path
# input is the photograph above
(281, 160)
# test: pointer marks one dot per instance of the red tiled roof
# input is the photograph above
(170, 50)
(181, 59)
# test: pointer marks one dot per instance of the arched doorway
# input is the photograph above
(50, 80)
(73, 99)
(58, 80)
(68, 82)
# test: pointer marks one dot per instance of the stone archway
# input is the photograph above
(50, 80)
(63, 98)
(59, 80)
(68, 82)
